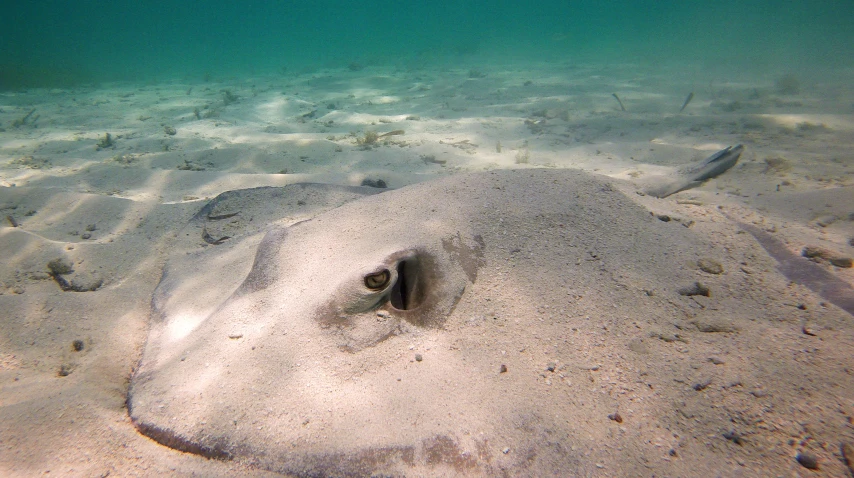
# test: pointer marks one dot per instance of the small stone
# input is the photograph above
(714, 326)
(551, 366)
(86, 235)
(77, 345)
(418, 357)
(616, 417)
(503, 369)
(170, 130)
(59, 266)
(817, 254)
(379, 183)
(847, 456)
(64, 370)
(695, 289)
(812, 252)
(505, 450)
(710, 266)
(734, 437)
(91, 227)
(827, 220)
(86, 282)
(807, 460)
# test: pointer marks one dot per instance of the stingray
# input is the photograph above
(337, 332)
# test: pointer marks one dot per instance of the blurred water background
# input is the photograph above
(53, 43)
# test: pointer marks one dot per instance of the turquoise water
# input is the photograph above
(60, 42)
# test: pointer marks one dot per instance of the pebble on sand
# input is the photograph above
(616, 417)
(710, 266)
(695, 289)
(807, 460)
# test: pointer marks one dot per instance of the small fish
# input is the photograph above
(687, 100)
(619, 101)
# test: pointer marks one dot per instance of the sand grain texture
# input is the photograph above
(576, 296)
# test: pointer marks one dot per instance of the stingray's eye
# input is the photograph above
(378, 280)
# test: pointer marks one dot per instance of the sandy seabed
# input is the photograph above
(105, 176)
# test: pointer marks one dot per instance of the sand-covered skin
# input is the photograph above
(784, 384)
